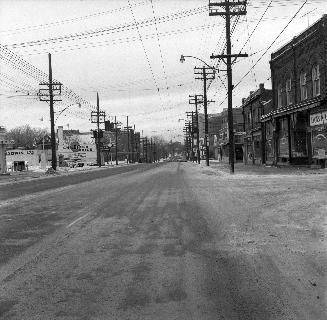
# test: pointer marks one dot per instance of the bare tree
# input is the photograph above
(25, 136)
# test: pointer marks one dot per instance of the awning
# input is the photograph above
(303, 105)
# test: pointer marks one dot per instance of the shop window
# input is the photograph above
(315, 81)
(288, 92)
(303, 86)
(279, 96)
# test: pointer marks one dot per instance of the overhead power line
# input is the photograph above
(66, 21)
(117, 41)
(144, 49)
(112, 29)
(297, 12)
(18, 63)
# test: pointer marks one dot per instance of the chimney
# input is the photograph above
(262, 86)
(243, 100)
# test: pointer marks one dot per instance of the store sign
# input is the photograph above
(20, 152)
(318, 118)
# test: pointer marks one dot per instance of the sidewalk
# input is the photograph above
(241, 168)
(37, 173)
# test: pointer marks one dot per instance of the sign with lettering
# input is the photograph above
(19, 152)
(318, 118)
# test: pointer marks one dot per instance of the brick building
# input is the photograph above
(223, 135)
(253, 109)
(128, 145)
(214, 126)
(299, 116)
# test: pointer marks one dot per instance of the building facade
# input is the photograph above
(299, 116)
(214, 126)
(223, 135)
(254, 107)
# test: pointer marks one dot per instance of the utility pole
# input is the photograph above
(216, 9)
(98, 135)
(187, 133)
(128, 149)
(191, 131)
(146, 149)
(116, 140)
(98, 117)
(47, 92)
(205, 73)
(134, 155)
(196, 100)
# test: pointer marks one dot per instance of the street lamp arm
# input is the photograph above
(74, 104)
(182, 59)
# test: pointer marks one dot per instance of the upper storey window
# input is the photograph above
(303, 86)
(279, 96)
(288, 91)
(315, 81)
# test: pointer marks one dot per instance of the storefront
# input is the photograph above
(269, 152)
(318, 128)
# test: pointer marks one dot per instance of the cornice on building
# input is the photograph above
(299, 39)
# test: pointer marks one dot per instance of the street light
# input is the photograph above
(205, 76)
(182, 60)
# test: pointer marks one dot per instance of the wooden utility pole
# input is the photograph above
(146, 149)
(191, 127)
(196, 100)
(53, 134)
(116, 140)
(46, 93)
(98, 135)
(205, 73)
(223, 8)
(128, 128)
(98, 117)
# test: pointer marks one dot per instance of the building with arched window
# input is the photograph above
(299, 84)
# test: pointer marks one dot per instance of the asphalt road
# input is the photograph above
(169, 241)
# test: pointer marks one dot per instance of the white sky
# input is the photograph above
(144, 80)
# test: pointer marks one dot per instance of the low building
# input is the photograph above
(223, 135)
(75, 146)
(253, 110)
(214, 126)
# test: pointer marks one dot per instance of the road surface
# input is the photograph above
(169, 241)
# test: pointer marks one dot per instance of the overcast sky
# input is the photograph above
(96, 47)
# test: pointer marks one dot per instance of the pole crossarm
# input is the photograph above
(195, 99)
(224, 56)
(204, 72)
(227, 8)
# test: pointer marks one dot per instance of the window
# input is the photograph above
(303, 86)
(279, 96)
(288, 92)
(315, 81)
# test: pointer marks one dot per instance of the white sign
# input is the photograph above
(20, 152)
(318, 118)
